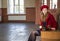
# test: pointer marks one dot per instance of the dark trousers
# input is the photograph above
(32, 36)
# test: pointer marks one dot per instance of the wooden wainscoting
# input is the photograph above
(30, 15)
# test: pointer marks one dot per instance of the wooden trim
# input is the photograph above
(21, 21)
(4, 15)
(16, 14)
(30, 7)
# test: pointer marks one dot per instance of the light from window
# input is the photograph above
(44, 2)
(22, 6)
(53, 4)
(16, 7)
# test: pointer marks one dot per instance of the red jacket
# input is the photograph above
(50, 21)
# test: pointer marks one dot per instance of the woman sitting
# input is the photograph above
(47, 22)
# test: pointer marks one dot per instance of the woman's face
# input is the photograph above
(44, 10)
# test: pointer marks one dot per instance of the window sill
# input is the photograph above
(16, 14)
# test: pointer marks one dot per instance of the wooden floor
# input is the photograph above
(16, 31)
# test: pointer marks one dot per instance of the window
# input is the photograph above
(16, 7)
(53, 4)
(44, 2)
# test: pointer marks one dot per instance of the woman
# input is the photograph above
(47, 22)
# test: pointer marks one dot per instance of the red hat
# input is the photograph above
(44, 6)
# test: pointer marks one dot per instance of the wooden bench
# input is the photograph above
(50, 35)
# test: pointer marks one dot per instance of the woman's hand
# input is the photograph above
(53, 29)
(40, 27)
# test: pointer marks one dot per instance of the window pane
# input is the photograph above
(11, 2)
(22, 10)
(22, 2)
(16, 2)
(22, 7)
(16, 9)
(53, 4)
(11, 9)
(45, 2)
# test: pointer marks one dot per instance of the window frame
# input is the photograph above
(8, 10)
(52, 5)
